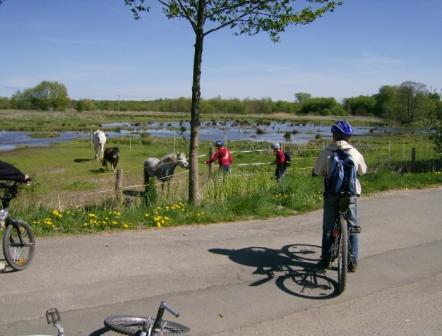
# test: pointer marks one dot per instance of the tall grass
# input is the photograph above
(247, 192)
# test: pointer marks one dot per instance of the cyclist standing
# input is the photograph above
(223, 155)
(342, 132)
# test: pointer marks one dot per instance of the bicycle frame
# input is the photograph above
(343, 206)
(157, 326)
(341, 247)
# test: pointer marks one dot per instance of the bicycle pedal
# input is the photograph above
(52, 316)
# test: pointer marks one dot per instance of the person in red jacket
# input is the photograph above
(279, 161)
(223, 155)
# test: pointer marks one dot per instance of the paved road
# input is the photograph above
(245, 278)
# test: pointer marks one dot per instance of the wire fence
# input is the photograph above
(390, 156)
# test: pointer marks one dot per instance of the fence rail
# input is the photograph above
(394, 157)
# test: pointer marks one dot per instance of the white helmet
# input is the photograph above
(276, 145)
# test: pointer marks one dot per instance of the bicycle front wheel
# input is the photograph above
(18, 245)
(133, 325)
(342, 255)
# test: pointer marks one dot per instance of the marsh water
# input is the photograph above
(289, 132)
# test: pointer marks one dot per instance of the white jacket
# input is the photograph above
(321, 164)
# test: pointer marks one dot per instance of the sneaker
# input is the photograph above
(323, 263)
(352, 267)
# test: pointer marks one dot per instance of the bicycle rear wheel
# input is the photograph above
(342, 255)
(132, 325)
(18, 245)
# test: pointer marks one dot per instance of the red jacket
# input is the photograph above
(280, 157)
(223, 156)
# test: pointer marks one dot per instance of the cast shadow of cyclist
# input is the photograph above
(293, 268)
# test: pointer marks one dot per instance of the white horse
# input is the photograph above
(99, 139)
(163, 168)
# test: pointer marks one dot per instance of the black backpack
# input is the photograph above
(287, 158)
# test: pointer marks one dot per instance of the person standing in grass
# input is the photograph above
(223, 155)
(341, 132)
(279, 161)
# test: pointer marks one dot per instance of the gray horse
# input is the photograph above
(163, 168)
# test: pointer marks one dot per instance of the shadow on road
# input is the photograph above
(293, 267)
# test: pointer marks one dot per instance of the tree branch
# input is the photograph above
(250, 11)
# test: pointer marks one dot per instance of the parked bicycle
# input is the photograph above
(18, 239)
(341, 251)
(147, 326)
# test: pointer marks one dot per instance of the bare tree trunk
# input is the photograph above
(194, 191)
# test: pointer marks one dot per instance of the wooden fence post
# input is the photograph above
(119, 185)
(413, 159)
(210, 164)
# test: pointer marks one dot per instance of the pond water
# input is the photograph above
(296, 133)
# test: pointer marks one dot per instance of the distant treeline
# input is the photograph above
(405, 103)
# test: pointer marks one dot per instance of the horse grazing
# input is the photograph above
(111, 155)
(163, 168)
(99, 139)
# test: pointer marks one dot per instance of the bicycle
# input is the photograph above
(147, 326)
(18, 238)
(341, 247)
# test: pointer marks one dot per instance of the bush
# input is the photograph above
(85, 105)
(322, 106)
(436, 136)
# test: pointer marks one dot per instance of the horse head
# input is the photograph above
(181, 160)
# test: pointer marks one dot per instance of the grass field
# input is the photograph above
(72, 193)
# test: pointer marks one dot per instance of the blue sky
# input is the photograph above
(98, 51)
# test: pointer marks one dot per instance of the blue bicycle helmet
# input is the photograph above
(219, 143)
(342, 127)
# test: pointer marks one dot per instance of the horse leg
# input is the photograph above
(168, 188)
(146, 178)
(115, 164)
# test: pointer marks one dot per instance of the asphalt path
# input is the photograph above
(244, 278)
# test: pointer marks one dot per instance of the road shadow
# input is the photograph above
(293, 268)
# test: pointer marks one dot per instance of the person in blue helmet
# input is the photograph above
(341, 132)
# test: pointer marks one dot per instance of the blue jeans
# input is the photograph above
(224, 169)
(330, 213)
(279, 172)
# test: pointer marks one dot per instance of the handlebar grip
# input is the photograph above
(169, 309)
